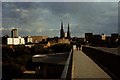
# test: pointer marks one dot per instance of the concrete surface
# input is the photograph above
(84, 67)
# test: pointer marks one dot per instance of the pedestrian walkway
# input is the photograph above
(84, 67)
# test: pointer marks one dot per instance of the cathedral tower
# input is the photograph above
(62, 34)
(68, 32)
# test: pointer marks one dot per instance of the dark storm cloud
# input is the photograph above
(40, 18)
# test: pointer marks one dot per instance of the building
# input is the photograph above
(28, 39)
(64, 34)
(47, 45)
(68, 32)
(4, 40)
(96, 40)
(114, 37)
(103, 37)
(15, 41)
(64, 41)
(88, 37)
(14, 33)
(37, 39)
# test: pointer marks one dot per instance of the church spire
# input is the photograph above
(62, 34)
(68, 32)
(61, 25)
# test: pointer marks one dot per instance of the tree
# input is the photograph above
(57, 48)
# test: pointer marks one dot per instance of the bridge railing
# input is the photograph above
(107, 61)
(66, 74)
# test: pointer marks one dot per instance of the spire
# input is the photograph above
(62, 31)
(68, 32)
(61, 25)
(68, 27)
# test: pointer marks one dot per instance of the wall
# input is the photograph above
(107, 61)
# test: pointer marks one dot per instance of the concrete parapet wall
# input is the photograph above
(108, 62)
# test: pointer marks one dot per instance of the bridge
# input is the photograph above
(84, 68)
(94, 63)
(89, 63)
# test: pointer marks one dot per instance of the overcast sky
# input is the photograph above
(60, 0)
(40, 18)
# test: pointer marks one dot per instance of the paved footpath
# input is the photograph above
(84, 67)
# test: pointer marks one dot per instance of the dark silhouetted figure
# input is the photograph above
(78, 45)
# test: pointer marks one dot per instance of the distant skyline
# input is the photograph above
(44, 18)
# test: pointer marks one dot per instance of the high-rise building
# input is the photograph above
(14, 33)
(62, 34)
(68, 32)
